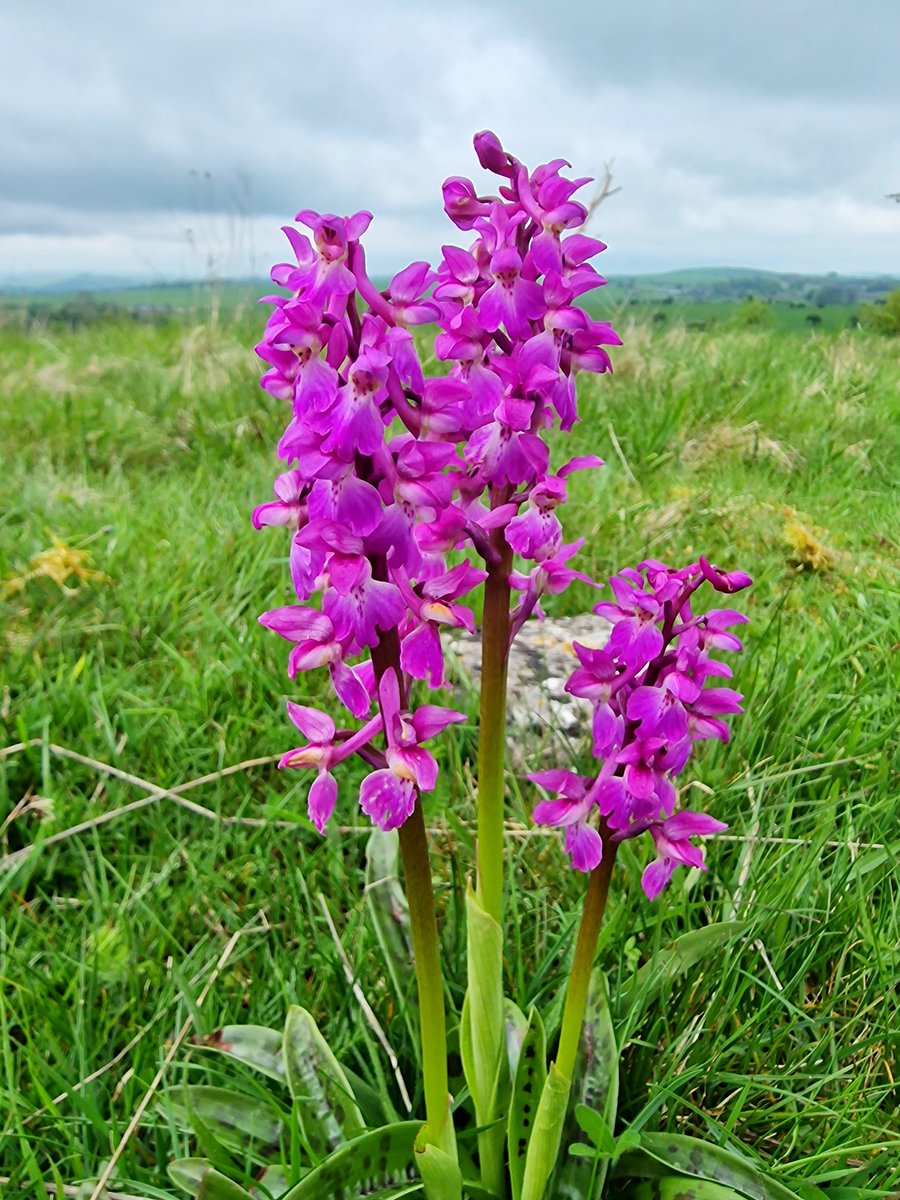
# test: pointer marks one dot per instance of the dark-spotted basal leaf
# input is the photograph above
(673, 960)
(514, 1023)
(531, 1074)
(326, 1108)
(254, 1045)
(238, 1121)
(595, 1085)
(699, 1160)
(679, 1187)
(376, 1164)
(215, 1186)
(187, 1173)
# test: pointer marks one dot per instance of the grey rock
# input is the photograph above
(540, 663)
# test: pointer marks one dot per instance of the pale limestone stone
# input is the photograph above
(540, 663)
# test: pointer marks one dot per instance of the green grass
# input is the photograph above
(146, 447)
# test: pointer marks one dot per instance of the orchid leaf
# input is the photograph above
(326, 1109)
(515, 1024)
(375, 1107)
(482, 1033)
(237, 1121)
(660, 1154)
(376, 1164)
(274, 1179)
(483, 1007)
(254, 1045)
(528, 1084)
(678, 1187)
(672, 961)
(594, 1100)
(187, 1173)
(389, 911)
(215, 1186)
(546, 1134)
(440, 1173)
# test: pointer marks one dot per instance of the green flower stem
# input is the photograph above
(492, 729)
(429, 980)
(583, 961)
(485, 944)
(426, 950)
(544, 1145)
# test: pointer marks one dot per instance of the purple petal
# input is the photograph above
(565, 782)
(415, 764)
(558, 812)
(308, 654)
(656, 876)
(639, 780)
(645, 704)
(607, 730)
(387, 800)
(430, 720)
(350, 689)
(409, 284)
(321, 800)
(724, 581)
(274, 513)
(585, 846)
(613, 801)
(358, 224)
(646, 644)
(581, 463)
(389, 699)
(295, 621)
(358, 506)
(686, 824)
(421, 655)
(315, 725)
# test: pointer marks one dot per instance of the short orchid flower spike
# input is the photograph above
(648, 689)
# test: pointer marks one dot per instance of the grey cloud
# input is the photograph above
(816, 48)
(128, 121)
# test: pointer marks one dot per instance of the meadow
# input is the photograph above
(130, 582)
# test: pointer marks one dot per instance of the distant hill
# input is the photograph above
(696, 283)
(86, 297)
(732, 284)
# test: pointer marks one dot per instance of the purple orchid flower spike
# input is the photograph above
(648, 688)
(388, 796)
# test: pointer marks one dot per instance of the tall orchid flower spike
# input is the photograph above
(387, 472)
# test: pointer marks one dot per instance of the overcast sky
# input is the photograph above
(175, 137)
